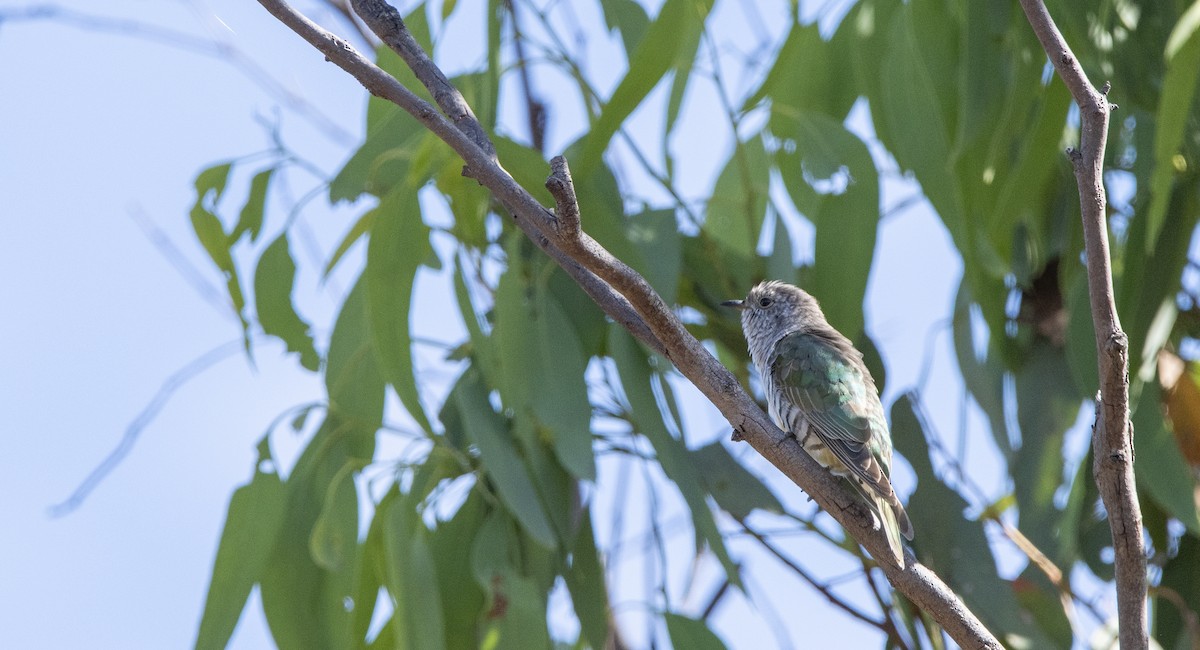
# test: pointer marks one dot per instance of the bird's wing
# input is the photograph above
(823, 375)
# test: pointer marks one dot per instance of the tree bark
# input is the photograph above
(1112, 434)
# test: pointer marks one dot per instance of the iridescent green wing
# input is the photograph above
(822, 374)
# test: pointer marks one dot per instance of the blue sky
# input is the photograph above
(101, 131)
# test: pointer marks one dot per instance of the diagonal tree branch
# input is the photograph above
(1112, 436)
(569, 245)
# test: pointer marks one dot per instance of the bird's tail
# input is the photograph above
(895, 524)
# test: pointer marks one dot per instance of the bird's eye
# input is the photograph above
(764, 302)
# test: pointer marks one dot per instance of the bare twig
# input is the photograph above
(213, 48)
(139, 424)
(885, 625)
(1112, 438)
(662, 328)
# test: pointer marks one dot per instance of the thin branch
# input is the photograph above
(134, 431)
(884, 626)
(715, 600)
(1112, 438)
(535, 109)
(213, 48)
(663, 329)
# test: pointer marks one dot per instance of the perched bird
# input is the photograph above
(819, 390)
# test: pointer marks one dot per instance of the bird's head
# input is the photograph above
(775, 308)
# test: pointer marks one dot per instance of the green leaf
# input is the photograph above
(399, 242)
(781, 265)
(462, 598)
(677, 25)
(845, 215)
(352, 376)
(1182, 57)
(1081, 338)
(647, 418)
(1047, 405)
(515, 614)
(692, 634)
(542, 364)
(273, 283)
(392, 134)
(335, 533)
(736, 490)
(251, 218)
(1179, 575)
(983, 378)
(953, 546)
(628, 17)
(1158, 465)
(411, 580)
(499, 458)
(370, 574)
(255, 513)
(305, 604)
(736, 211)
(210, 184)
(360, 228)
(656, 236)
(917, 124)
(585, 581)
(482, 349)
(1043, 602)
(808, 76)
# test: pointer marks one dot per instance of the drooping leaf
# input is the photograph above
(255, 513)
(586, 582)
(678, 23)
(950, 544)
(335, 532)
(274, 280)
(1158, 464)
(781, 265)
(1174, 110)
(360, 228)
(736, 212)
(392, 134)
(690, 633)
(1081, 338)
(983, 378)
(1047, 405)
(543, 365)
(845, 213)
(417, 622)
(1179, 576)
(808, 76)
(487, 431)
(515, 612)
(1180, 384)
(636, 379)
(450, 547)
(918, 126)
(210, 184)
(251, 218)
(305, 604)
(736, 490)
(399, 243)
(628, 17)
(353, 379)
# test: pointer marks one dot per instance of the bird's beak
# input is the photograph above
(736, 304)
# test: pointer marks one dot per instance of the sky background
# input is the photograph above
(103, 128)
